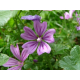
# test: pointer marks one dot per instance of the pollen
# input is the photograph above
(39, 39)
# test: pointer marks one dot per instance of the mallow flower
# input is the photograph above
(30, 17)
(42, 36)
(67, 15)
(16, 64)
(78, 20)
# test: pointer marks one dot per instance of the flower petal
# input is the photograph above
(30, 17)
(15, 68)
(79, 22)
(43, 47)
(61, 17)
(29, 34)
(15, 51)
(78, 19)
(71, 12)
(20, 68)
(78, 28)
(67, 15)
(76, 14)
(11, 62)
(40, 28)
(25, 53)
(32, 45)
(48, 36)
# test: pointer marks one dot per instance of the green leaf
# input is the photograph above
(3, 58)
(58, 10)
(71, 62)
(1, 49)
(2, 43)
(28, 64)
(55, 22)
(59, 48)
(5, 15)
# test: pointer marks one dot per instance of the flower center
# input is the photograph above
(39, 39)
(20, 63)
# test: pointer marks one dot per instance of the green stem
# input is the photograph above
(19, 12)
(20, 20)
(17, 25)
(78, 12)
(15, 19)
(65, 21)
(49, 62)
(51, 67)
(39, 12)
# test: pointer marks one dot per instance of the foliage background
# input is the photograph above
(65, 51)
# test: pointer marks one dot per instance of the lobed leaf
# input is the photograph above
(3, 58)
(71, 62)
(5, 15)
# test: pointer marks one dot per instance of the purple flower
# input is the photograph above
(40, 28)
(78, 20)
(30, 17)
(67, 15)
(78, 28)
(13, 63)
